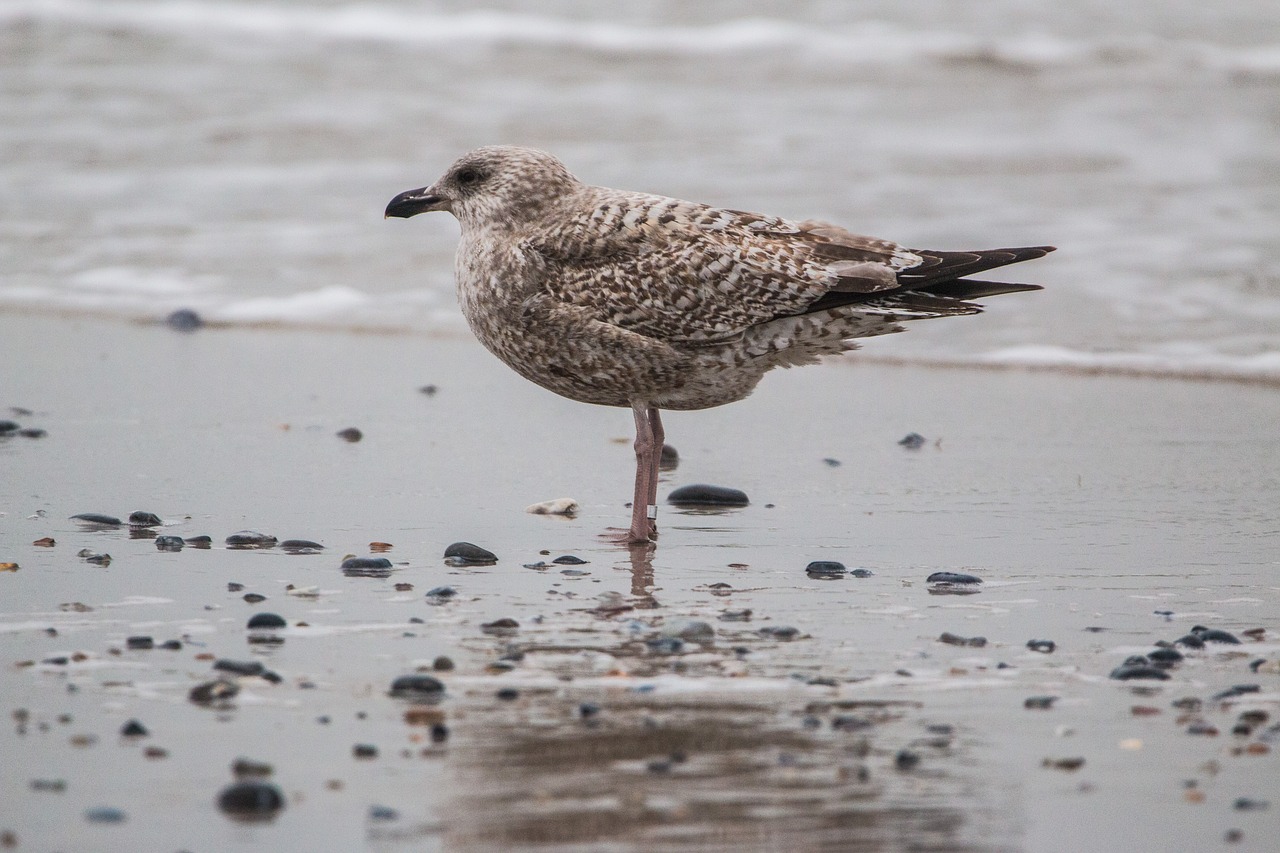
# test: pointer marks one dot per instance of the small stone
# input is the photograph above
(139, 642)
(91, 557)
(912, 441)
(703, 495)
(831, 462)
(1213, 635)
(779, 632)
(441, 593)
(250, 539)
(133, 728)
(569, 560)
(1068, 764)
(254, 597)
(105, 814)
(1191, 641)
(364, 750)
(557, 506)
(141, 518)
(1165, 656)
(265, 621)
(956, 640)
(362, 563)
(1237, 690)
(383, 813)
(417, 686)
(183, 320)
(219, 690)
(49, 786)
(669, 458)
(97, 519)
(247, 768)
(45, 542)
(199, 541)
(906, 759)
(239, 667)
(736, 615)
(442, 663)
(350, 434)
(953, 579)
(1200, 727)
(1245, 804)
(1039, 703)
(301, 546)
(507, 694)
(251, 800)
(33, 432)
(665, 645)
(467, 554)
(1131, 672)
(8, 426)
(169, 543)
(861, 573)
(439, 733)
(693, 630)
(429, 390)
(501, 627)
(587, 710)
(1042, 646)
(825, 569)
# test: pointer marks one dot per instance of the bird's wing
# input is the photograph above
(687, 273)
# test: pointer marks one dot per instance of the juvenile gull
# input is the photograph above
(628, 299)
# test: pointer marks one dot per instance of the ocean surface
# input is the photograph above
(235, 157)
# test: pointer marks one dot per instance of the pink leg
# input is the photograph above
(643, 525)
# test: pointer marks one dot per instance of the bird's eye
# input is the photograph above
(469, 177)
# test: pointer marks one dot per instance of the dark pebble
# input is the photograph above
(251, 799)
(141, 518)
(254, 597)
(831, 463)
(1213, 635)
(383, 813)
(825, 568)
(1043, 646)
(364, 750)
(861, 573)
(953, 579)
(1238, 690)
(540, 566)
(912, 441)
(1165, 656)
(97, 559)
(441, 592)
(850, 723)
(1131, 672)
(501, 627)
(366, 563)
(588, 709)
(442, 663)
(183, 320)
(57, 660)
(736, 615)
(1039, 703)
(569, 560)
(199, 541)
(956, 640)
(140, 643)
(133, 728)
(33, 432)
(417, 686)
(98, 519)
(350, 434)
(300, 546)
(239, 667)
(701, 494)
(1191, 641)
(779, 632)
(507, 694)
(104, 814)
(247, 768)
(665, 645)
(467, 554)
(169, 543)
(8, 426)
(439, 732)
(171, 645)
(1200, 727)
(265, 620)
(272, 677)
(1187, 703)
(906, 759)
(51, 786)
(251, 539)
(1244, 804)
(218, 690)
(669, 458)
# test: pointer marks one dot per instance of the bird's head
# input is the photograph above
(496, 185)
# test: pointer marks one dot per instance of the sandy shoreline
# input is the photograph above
(1083, 502)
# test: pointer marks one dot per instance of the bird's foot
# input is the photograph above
(630, 537)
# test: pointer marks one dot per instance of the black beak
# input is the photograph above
(414, 202)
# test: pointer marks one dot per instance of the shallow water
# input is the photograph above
(1103, 514)
(235, 157)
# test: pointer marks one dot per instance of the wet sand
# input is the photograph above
(1103, 514)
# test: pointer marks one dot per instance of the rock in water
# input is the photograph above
(701, 495)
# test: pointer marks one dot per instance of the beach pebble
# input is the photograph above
(467, 554)
(50, 786)
(1238, 690)
(1067, 764)
(1134, 671)
(301, 546)
(906, 759)
(735, 615)
(8, 426)
(1039, 703)
(504, 627)
(254, 597)
(250, 539)
(239, 667)
(669, 458)
(350, 434)
(569, 560)
(912, 441)
(779, 632)
(1191, 641)
(97, 518)
(507, 694)
(261, 621)
(133, 728)
(1042, 646)
(45, 542)
(218, 690)
(247, 768)
(142, 518)
(952, 579)
(183, 320)
(693, 630)
(32, 432)
(364, 751)
(417, 686)
(429, 390)
(1167, 656)
(1213, 635)
(701, 494)
(442, 663)
(956, 640)
(169, 543)
(251, 799)
(825, 569)
(104, 814)
(366, 563)
(383, 813)
(139, 642)
(199, 541)
(831, 462)
(441, 593)
(557, 506)
(1246, 804)
(665, 645)
(93, 557)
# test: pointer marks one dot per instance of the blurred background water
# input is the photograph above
(235, 157)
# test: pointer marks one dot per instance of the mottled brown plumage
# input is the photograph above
(627, 299)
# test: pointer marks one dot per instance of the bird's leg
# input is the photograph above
(659, 437)
(643, 525)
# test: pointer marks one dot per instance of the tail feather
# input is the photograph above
(944, 266)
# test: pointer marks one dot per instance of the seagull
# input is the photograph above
(641, 301)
